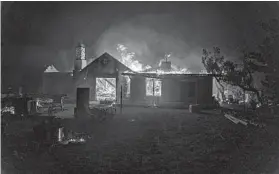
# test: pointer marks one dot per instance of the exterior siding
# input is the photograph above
(137, 89)
(205, 87)
(170, 90)
(175, 92)
(103, 67)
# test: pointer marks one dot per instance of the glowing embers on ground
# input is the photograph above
(153, 87)
(105, 89)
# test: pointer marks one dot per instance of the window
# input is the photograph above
(192, 89)
(105, 89)
(126, 86)
(153, 87)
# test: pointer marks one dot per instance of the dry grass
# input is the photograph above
(150, 141)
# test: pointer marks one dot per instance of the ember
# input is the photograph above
(78, 140)
(7, 109)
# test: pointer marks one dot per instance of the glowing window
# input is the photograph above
(105, 89)
(153, 87)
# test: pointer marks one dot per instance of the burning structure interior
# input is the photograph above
(107, 78)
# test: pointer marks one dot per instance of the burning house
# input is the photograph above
(102, 76)
(165, 86)
(107, 78)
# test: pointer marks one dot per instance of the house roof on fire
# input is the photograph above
(106, 56)
(162, 75)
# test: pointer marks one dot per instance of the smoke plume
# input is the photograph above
(150, 43)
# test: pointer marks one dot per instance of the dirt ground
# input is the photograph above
(147, 140)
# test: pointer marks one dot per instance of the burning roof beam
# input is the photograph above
(154, 75)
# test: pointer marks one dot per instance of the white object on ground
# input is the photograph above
(235, 120)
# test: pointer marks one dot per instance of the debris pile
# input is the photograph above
(236, 118)
(69, 137)
(52, 132)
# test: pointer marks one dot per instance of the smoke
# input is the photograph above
(65, 60)
(150, 42)
(183, 32)
(25, 65)
(152, 36)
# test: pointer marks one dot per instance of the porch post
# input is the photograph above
(117, 86)
(121, 99)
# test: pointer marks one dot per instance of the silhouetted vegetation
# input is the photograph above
(242, 74)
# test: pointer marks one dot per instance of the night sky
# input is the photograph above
(36, 34)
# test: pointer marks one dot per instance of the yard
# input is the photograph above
(148, 140)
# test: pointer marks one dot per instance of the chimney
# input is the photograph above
(80, 61)
(166, 65)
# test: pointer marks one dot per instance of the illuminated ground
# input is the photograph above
(149, 141)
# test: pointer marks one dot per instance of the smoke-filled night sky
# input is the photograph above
(36, 34)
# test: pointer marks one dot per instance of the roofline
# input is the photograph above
(100, 57)
(60, 72)
(154, 75)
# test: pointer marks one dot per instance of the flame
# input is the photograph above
(203, 71)
(161, 72)
(127, 58)
(174, 69)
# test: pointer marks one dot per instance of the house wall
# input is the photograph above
(170, 90)
(103, 67)
(188, 95)
(138, 89)
(205, 90)
(89, 82)
(175, 92)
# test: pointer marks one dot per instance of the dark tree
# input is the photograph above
(269, 50)
(231, 73)
(265, 61)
